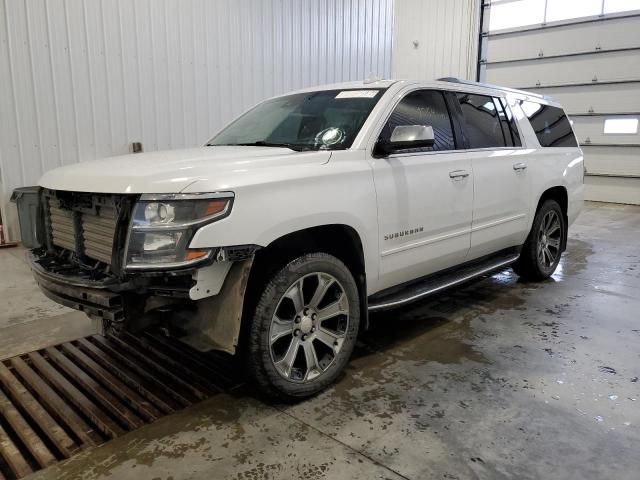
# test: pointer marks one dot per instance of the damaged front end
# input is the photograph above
(125, 261)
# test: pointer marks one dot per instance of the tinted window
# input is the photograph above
(551, 125)
(481, 121)
(513, 125)
(423, 107)
(504, 124)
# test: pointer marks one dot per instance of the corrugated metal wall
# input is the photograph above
(436, 38)
(82, 79)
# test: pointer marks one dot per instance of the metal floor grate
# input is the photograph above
(59, 400)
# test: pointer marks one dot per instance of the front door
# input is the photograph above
(425, 195)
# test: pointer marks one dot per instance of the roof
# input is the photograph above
(446, 83)
(349, 85)
(488, 85)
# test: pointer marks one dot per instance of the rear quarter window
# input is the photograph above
(551, 125)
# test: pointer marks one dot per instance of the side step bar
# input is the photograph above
(438, 282)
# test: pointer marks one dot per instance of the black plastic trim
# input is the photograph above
(93, 301)
(457, 119)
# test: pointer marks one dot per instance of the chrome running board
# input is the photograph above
(437, 282)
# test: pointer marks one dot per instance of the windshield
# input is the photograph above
(324, 120)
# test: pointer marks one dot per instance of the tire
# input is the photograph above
(293, 352)
(541, 251)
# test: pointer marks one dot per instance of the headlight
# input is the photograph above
(162, 227)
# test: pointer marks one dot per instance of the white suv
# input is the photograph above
(276, 238)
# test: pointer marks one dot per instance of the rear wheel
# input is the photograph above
(541, 252)
(304, 327)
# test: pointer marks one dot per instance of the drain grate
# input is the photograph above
(59, 400)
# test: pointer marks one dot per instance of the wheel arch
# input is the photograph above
(339, 240)
(560, 194)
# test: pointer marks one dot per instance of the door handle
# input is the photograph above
(518, 167)
(458, 174)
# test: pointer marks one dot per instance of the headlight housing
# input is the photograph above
(162, 227)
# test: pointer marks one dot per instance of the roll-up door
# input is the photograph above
(590, 64)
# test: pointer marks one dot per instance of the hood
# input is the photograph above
(172, 171)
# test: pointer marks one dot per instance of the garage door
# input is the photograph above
(586, 55)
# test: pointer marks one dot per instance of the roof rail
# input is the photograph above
(488, 85)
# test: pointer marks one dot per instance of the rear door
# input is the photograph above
(501, 181)
(425, 195)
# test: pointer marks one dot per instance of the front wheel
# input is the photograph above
(304, 327)
(541, 252)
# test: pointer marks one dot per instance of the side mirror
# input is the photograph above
(407, 136)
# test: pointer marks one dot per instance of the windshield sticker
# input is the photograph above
(357, 94)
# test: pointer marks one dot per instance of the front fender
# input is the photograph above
(342, 194)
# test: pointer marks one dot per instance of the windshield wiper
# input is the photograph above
(262, 143)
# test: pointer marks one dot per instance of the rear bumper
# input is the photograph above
(89, 296)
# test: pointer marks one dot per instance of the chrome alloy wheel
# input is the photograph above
(309, 327)
(549, 239)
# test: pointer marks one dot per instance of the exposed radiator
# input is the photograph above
(96, 234)
(62, 228)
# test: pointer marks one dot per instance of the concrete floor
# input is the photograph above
(501, 379)
(28, 319)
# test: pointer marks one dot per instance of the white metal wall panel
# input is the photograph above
(603, 67)
(436, 38)
(594, 98)
(82, 79)
(622, 161)
(613, 34)
(585, 56)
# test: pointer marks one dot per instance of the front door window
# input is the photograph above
(423, 107)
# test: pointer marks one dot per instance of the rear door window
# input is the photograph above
(481, 121)
(551, 125)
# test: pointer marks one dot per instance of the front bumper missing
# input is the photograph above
(207, 316)
(95, 302)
